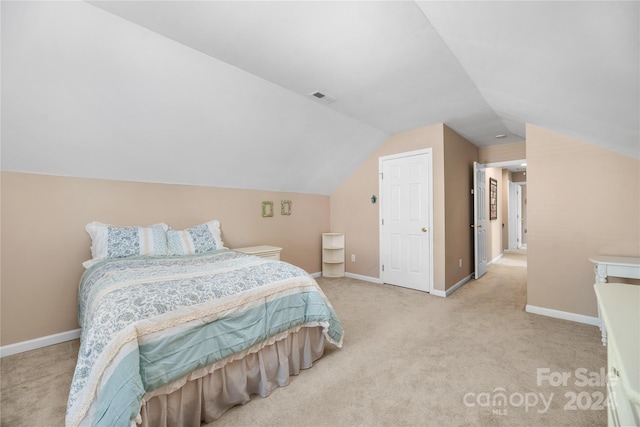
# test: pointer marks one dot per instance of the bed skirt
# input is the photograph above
(205, 394)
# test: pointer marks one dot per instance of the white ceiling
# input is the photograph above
(484, 68)
(217, 92)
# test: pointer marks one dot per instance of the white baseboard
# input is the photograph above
(21, 347)
(493, 261)
(452, 289)
(565, 315)
(353, 276)
(365, 278)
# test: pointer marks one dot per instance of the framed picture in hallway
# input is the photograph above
(493, 199)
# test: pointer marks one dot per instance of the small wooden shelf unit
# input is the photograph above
(333, 254)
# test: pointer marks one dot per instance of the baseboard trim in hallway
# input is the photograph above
(452, 289)
(565, 315)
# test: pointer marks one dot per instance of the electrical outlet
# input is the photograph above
(353, 258)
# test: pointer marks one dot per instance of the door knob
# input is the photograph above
(424, 229)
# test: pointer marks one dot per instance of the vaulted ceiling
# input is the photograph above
(483, 68)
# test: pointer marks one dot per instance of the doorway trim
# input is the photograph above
(502, 165)
(480, 261)
(512, 217)
(429, 201)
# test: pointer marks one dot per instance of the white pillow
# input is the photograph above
(201, 238)
(111, 241)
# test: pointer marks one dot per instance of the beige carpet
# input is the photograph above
(515, 258)
(408, 359)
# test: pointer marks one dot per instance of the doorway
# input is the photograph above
(406, 214)
(511, 232)
(517, 214)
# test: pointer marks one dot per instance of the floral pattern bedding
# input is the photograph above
(147, 321)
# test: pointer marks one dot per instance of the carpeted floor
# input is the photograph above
(409, 358)
(515, 258)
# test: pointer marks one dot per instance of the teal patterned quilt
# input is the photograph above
(148, 321)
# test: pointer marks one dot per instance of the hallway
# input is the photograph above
(514, 257)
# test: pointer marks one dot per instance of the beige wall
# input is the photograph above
(353, 213)
(518, 177)
(582, 200)
(459, 155)
(44, 241)
(503, 152)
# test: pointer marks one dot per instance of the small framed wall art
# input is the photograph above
(493, 199)
(285, 207)
(267, 209)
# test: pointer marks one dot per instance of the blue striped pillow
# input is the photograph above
(111, 241)
(201, 238)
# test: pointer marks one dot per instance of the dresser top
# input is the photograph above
(615, 260)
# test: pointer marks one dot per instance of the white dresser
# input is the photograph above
(263, 251)
(615, 266)
(620, 308)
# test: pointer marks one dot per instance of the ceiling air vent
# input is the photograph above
(325, 99)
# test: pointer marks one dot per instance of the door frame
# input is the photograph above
(512, 219)
(506, 164)
(519, 216)
(519, 213)
(479, 204)
(503, 164)
(429, 200)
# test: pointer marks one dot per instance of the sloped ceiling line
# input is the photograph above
(231, 80)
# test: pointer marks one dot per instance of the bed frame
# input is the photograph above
(206, 394)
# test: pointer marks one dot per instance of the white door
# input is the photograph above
(480, 219)
(519, 215)
(513, 215)
(406, 211)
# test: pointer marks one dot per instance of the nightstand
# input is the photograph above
(264, 251)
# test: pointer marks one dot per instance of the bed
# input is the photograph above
(177, 339)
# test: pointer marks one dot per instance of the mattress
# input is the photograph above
(150, 321)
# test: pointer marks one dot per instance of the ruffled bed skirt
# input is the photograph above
(205, 394)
